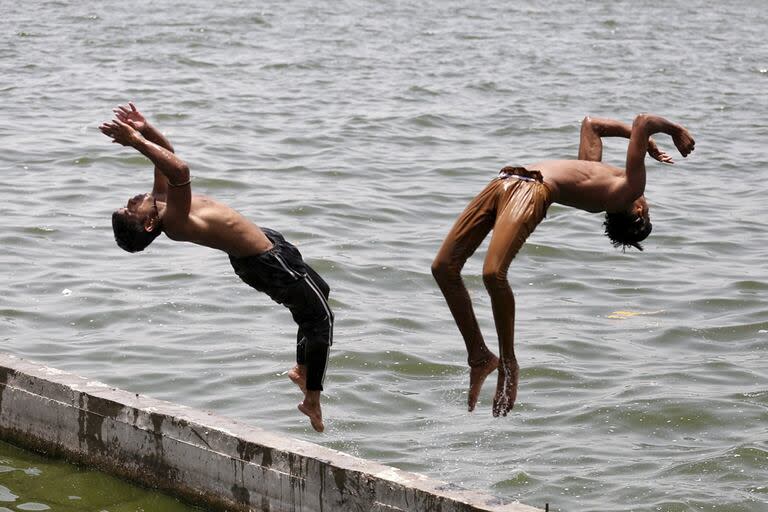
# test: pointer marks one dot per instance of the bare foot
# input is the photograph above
(684, 142)
(298, 375)
(311, 407)
(477, 375)
(506, 387)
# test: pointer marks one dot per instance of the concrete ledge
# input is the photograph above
(205, 459)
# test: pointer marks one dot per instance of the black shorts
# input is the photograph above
(282, 274)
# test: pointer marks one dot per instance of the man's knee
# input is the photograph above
(494, 277)
(445, 270)
(439, 269)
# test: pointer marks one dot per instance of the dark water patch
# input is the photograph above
(725, 467)
(472, 37)
(291, 66)
(749, 286)
(517, 480)
(731, 332)
(71, 488)
(665, 417)
(544, 378)
(193, 63)
(428, 120)
(423, 90)
(490, 86)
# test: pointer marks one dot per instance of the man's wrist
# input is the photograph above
(137, 139)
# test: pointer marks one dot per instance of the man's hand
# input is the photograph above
(684, 141)
(658, 154)
(120, 132)
(130, 116)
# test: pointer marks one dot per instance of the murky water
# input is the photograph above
(360, 130)
(30, 482)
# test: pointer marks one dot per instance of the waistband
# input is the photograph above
(520, 173)
(277, 239)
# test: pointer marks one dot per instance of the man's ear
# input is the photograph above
(151, 224)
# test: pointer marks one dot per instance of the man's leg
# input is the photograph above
(522, 213)
(307, 301)
(298, 374)
(469, 230)
(319, 334)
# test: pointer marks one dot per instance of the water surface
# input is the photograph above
(360, 130)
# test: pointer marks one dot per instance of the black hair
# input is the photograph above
(130, 234)
(625, 229)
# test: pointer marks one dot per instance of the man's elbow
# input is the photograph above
(642, 122)
(589, 124)
(182, 172)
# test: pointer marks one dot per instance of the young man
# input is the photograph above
(261, 257)
(515, 202)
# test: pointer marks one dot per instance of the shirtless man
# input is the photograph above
(261, 257)
(515, 202)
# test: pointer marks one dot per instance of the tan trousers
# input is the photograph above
(512, 206)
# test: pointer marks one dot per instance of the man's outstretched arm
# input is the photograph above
(130, 115)
(643, 127)
(173, 168)
(593, 129)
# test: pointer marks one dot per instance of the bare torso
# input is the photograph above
(587, 185)
(218, 226)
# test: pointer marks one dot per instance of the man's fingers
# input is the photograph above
(133, 107)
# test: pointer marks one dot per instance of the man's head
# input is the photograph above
(138, 224)
(629, 227)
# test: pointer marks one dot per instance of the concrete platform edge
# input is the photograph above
(206, 459)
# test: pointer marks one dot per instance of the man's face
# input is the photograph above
(139, 208)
